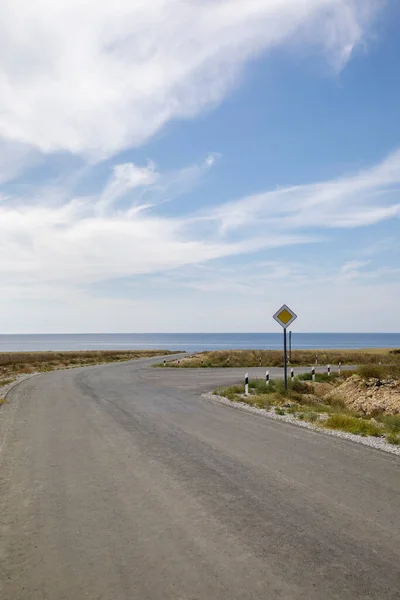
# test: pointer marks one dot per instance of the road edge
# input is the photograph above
(370, 442)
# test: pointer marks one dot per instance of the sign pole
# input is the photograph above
(290, 346)
(285, 317)
(285, 356)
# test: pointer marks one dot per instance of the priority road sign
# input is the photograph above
(285, 316)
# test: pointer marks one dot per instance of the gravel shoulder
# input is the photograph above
(370, 441)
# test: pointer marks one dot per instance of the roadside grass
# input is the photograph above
(353, 424)
(391, 423)
(3, 401)
(274, 358)
(319, 377)
(387, 371)
(13, 364)
(394, 439)
(301, 402)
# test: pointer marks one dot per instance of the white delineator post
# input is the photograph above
(329, 370)
(340, 367)
(313, 373)
(165, 362)
(246, 384)
(267, 378)
(292, 374)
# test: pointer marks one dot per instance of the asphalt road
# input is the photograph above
(121, 483)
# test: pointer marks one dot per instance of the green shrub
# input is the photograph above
(391, 438)
(371, 372)
(311, 417)
(353, 425)
(391, 423)
(299, 386)
(336, 402)
(232, 392)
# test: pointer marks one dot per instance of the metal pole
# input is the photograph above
(285, 356)
(290, 346)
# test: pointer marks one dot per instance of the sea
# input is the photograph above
(193, 342)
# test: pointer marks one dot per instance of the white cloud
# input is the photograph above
(93, 76)
(115, 234)
(118, 234)
(352, 269)
(126, 177)
(367, 197)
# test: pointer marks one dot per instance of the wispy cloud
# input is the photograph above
(92, 77)
(116, 234)
(352, 269)
(359, 200)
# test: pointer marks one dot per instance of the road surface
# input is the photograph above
(120, 482)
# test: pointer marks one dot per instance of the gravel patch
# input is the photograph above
(370, 441)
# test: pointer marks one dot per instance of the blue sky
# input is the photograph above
(190, 166)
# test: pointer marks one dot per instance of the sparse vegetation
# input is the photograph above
(311, 417)
(391, 423)
(394, 439)
(371, 371)
(315, 403)
(274, 358)
(13, 364)
(353, 424)
(319, 377)
(384, 371)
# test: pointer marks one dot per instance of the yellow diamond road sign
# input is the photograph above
(284, 316)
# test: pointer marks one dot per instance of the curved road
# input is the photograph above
(120, 482)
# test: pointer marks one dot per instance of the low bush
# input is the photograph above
(319, 377)
(299, 386)
(371, 372)
(232, 392)
(392, 438)
(353, 424)
(311, 417)
(391, 423)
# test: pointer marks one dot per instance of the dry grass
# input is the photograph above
(353, 424)
(13, 364)
(384, 371)
(274, 358)
(303, 401)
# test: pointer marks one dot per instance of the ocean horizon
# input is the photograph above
(193, 342)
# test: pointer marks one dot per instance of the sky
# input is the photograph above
(192, 165)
